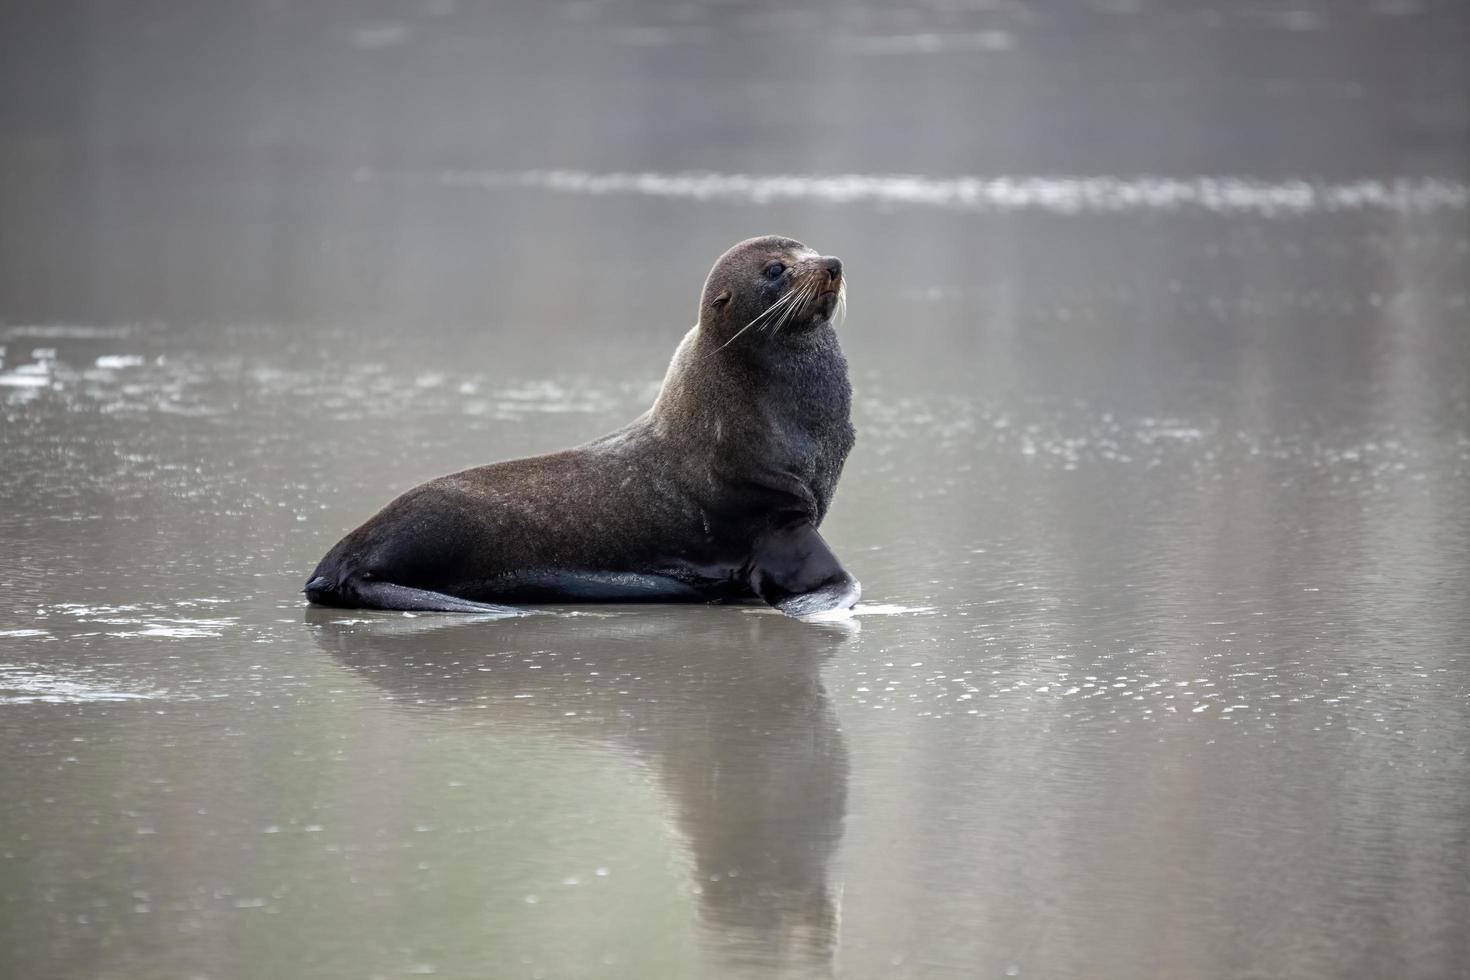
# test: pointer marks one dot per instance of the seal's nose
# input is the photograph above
(834, 267)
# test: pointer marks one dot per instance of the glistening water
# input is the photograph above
(1160, 342)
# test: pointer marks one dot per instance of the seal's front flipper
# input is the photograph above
(795, 571)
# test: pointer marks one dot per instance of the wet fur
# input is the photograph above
(714, 493)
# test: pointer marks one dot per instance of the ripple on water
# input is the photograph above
(35, 684)
(1251, 693)
(1072, 435)
(160, 620)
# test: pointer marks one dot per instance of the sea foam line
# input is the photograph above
(1058, 195)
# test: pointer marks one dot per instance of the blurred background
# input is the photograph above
(1160, 342)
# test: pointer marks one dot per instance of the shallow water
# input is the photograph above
(1161, 349)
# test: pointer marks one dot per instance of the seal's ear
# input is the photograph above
(721, 299)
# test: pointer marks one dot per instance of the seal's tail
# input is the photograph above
(385, 595)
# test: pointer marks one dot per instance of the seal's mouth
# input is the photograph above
(830, 295)
(827, 300)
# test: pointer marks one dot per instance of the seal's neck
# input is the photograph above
(782, 401)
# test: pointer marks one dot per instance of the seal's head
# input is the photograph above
(770, 285)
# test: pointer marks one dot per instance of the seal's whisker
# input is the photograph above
(757, 319)
(786, 309)
(786, 303)
(801, 291)
(808, 287)
(815, 290)
(782, 306)
(813, 287)
(769, 311)
(733, 339)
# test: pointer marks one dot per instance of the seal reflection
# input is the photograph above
(727, 707)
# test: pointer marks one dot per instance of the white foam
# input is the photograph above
(26, 685)
(377, 35)
(827, 616)
(928, 42)
(1222, 194)
(114, 361)
(887, 609)
(17, 379)
(149, 622)
(174, 632)
(70, 331)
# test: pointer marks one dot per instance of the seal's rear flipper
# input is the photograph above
(795, 571)
(386, 595)
(372, 594)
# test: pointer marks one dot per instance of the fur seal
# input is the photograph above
(713, 494)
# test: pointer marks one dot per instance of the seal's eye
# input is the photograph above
(775, 270)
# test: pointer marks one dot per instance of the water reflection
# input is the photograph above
(727, 707)
(1164, 408)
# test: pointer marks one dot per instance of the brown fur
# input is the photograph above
(713, 493)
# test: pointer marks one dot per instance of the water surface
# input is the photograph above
(1161, 351)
